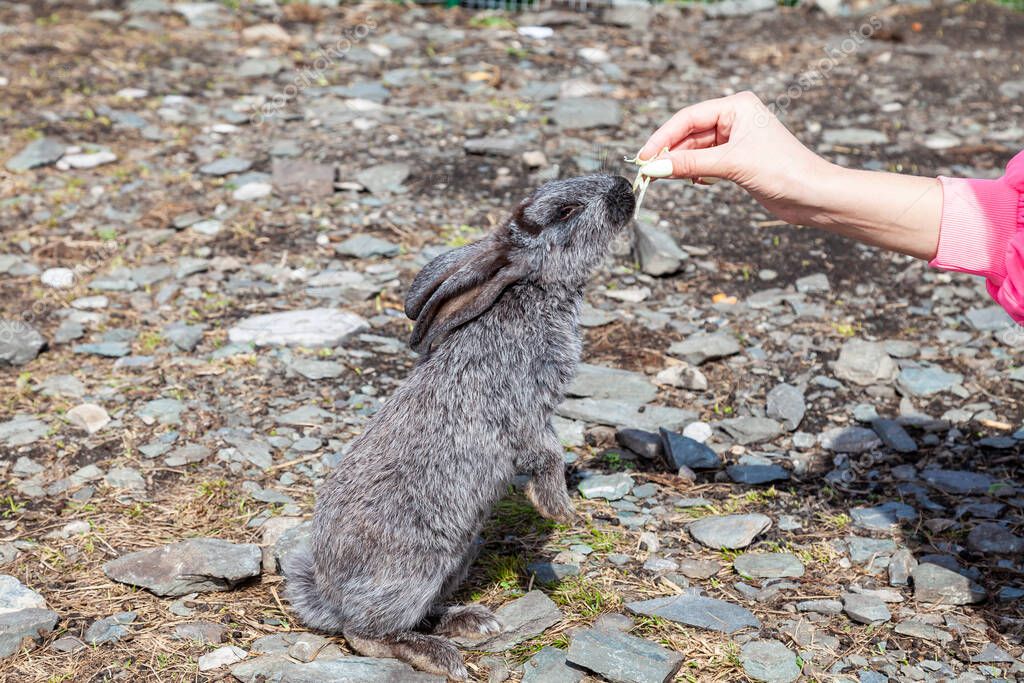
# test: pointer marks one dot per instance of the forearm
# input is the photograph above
(896, 212)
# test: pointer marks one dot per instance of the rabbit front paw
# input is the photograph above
(468, 621)
(552, 503)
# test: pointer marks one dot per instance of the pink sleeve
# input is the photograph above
(982, 232)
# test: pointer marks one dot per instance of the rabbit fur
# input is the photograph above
(395, 524)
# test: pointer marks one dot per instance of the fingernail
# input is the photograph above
(660, 168)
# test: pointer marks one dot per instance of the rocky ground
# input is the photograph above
(208, 218)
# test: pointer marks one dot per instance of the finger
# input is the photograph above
(695, 118)
(700, 140)
(694, 163)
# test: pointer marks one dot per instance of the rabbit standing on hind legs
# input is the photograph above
(395, 523)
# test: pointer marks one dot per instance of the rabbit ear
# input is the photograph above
(456, 287)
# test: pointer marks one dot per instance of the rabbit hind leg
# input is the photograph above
(429, 653)
(467, 621)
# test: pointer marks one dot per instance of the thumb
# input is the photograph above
(695, 163)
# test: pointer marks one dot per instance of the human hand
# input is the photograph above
(739, 139)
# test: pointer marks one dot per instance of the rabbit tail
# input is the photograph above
(305, 595)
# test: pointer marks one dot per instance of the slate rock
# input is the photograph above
(813, 284)
(521, 619)
(682, 451)
(923, 631)
(197, 565)
(503, 146)
(302, 177)
(35, 623)
(205, 632)
(384, 178)
(366, 246)
(700, 348)
(645, 444)
(854, 137)
(292, 541)
(960, 482)
(769, 565)
(115, 349)
(926, 380)
(16, 596)
(659, 254)
(865, 363)
(893, 435)
(226, 166)
(22, 430)
(989, 319)
(19, 343)
(786, 402)
(682, 376)
(993, 538)
(992, 654)
(88, 417)
(222, 656)
(883, 517)
(753, 475)
(748, 430)
(608, 411)
(312, 328)
(849, 439)
(39, 152)
(729, 531)
(865, 609)
(606, 486)
(698, 569)
(586, 112)
(337, 669)
(769, 661)
(940, 586)
(693, 609)
(622, 658)
(109, 629)
(552, 572)
(550, 665)
(185, 337)
(901, 564)
(598, 381)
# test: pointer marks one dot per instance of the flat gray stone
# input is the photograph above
(645, 444)
(550, 665)
(606, 486)
(16, 596)
(993, 538)
(893, 435)
(849, 439)
(205, 632)
(384, 178)
(586, 112)
(883, 517)
(683, 451)
(366, 246)
(617, 413)
(786, 403)
(35, 623)
(748, 430)
(598, 381)
(753, 475)
(659, 254)
(114, 349)
(700, 348)
(521, 619)
(769, 661)
(226, 166)
(312, 328)
(22, 430)
(622, 658)
(940, 586)
(769, 565)
(989, 319)
(926, 380)
(109, 629)
(961, 482)
(503, 146)
(19, 343)
(992, 654)
(39, 152)
(729, 531)
(197, 565)
(923, 631)
(865, 363)
(865, 609)
(329, 669)
(692, 609)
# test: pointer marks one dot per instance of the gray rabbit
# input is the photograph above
(395, 524)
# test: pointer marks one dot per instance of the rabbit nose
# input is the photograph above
(620, 200)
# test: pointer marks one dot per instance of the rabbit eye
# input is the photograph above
(569, 211)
